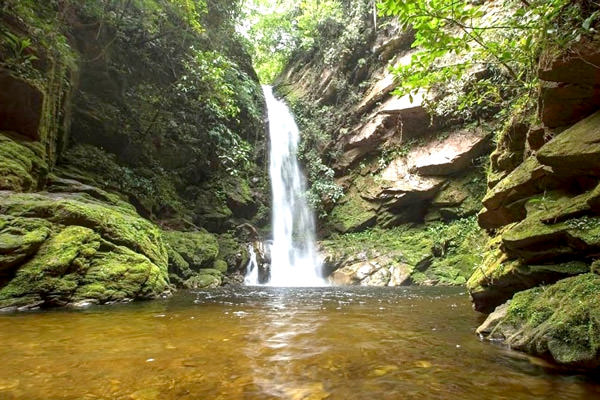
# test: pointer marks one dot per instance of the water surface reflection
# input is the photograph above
(271, 343)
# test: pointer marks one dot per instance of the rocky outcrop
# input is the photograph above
(547, 208)
(560, 322)
(542, 211)
(69, 248)
(436, 254)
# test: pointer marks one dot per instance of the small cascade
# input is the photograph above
(294, 258)
(251, 277)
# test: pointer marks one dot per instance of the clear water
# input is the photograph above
(293, 253)
(261, 343)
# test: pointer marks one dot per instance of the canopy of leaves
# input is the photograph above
(496, 44)
(276, 28)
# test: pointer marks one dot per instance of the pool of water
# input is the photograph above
(272, 343)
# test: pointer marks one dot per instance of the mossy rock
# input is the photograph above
(353, 214)
(234, 253)
(61, 248)
(76, 264)
(560, 322)
(206, 279)
(497, 278)
(220, 265)
(439, 253)
(199, 248)
(21, 168)
(117, 224)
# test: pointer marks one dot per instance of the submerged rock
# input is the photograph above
(560, 322)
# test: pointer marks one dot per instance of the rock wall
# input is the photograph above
(111, 168)
(542, 210)
(397, 164)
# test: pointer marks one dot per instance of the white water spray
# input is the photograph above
(294, 259)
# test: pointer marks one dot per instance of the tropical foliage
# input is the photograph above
(276, 28)
(491, 48)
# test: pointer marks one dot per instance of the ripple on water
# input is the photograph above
(272, 343)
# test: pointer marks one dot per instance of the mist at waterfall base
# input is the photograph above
(294, 258)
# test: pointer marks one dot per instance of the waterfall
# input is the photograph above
(294, 259)
(251, 277)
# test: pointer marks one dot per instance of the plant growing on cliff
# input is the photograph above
(491, 52)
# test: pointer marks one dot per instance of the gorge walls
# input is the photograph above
(128, 131)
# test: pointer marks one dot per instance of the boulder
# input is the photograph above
(67, 248)
(198, 248)
(560, 322)
(380, 271)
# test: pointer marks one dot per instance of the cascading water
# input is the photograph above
(294, 259)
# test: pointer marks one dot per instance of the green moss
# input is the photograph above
(204, 280)
(118, 225)
(21, 169)
(63, 248)
(352, 214)
(199, 249)
(441, 253)
(234, 253)
(220, 265)
(561, 321)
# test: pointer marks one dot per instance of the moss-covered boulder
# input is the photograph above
(233, 252)
(58, 249)
(198, 249)
(205, 279)
(560, 322)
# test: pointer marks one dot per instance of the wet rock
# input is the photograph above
(205, 279)
(560, 322)
(498, 278)
(380, 271)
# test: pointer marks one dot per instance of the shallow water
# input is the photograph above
(270, 343)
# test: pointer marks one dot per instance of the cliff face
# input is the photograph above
(115, 120)
(414, 178)
(399, 166)
(542, 209)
